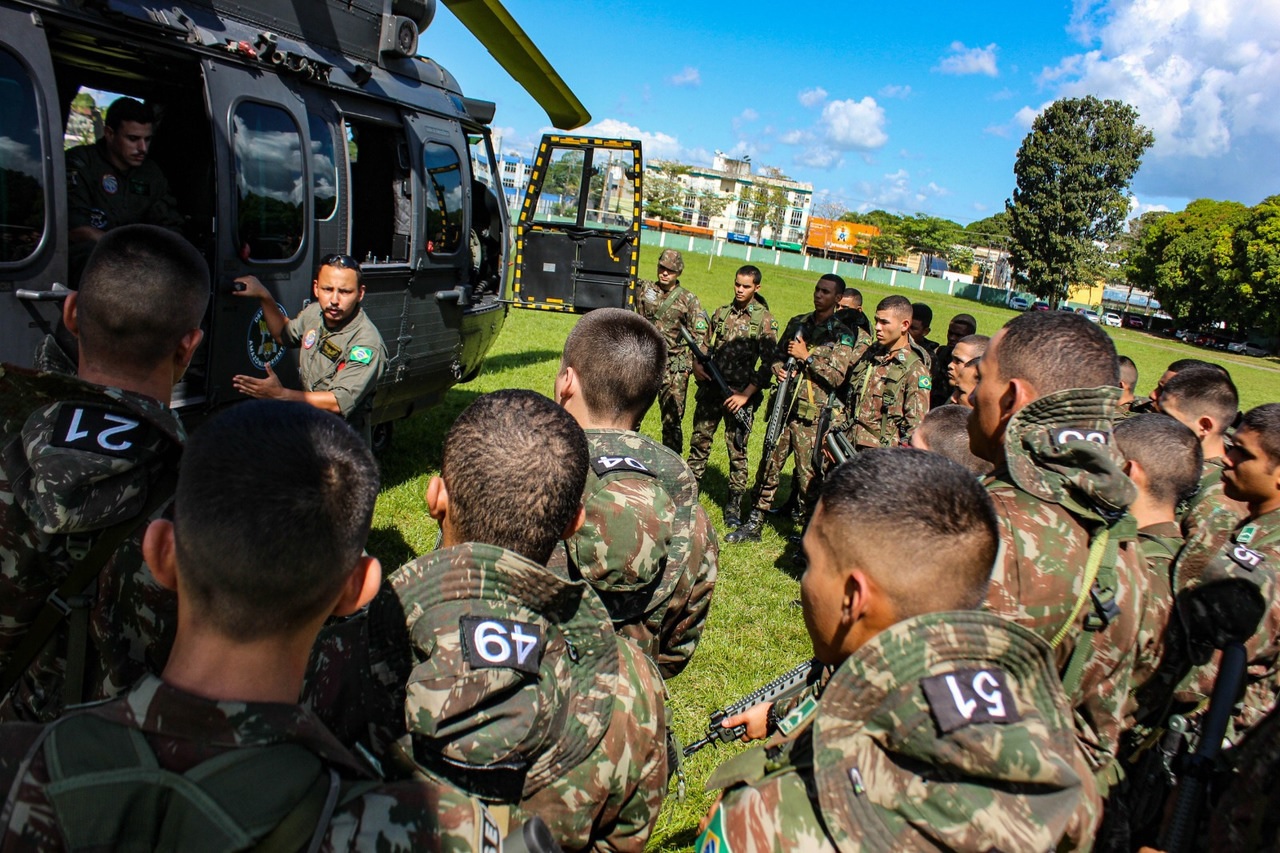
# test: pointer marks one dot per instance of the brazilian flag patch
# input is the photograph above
(712, 839)
(700, 325)
(846, 340)
(926, 383)
(363, 355)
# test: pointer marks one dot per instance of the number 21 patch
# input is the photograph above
(968, 696)
(489, 643)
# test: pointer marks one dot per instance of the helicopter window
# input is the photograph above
(444, 197)
(558, 197)
(22, 201)
(381, 193)
(271, 209)
(611, 197)
(324, 168)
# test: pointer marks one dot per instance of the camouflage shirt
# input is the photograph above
(1062, 481)
(833, 348)
(667, 311)
(1247, 817)
(742, 341)
(1210, 500)
(184, 730)
(79, 459)
(647, 547)
(888, 396)
(1160, 544)
(944, 731)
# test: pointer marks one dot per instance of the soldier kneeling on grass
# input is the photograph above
(942, 726)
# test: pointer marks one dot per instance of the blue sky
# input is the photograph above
(910, 107)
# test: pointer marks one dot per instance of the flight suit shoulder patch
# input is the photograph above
(361, 355)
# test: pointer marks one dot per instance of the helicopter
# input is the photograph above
(290, 130)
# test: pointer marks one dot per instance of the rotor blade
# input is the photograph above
(494, 27)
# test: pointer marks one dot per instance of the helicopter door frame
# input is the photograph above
(33, 288)
(239, 343)
(577, 265)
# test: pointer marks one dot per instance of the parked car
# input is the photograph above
(1019, 303)
(1133, 321)
(1089, 314)
(1246, 348)
(1112, 319)
(1040, 305)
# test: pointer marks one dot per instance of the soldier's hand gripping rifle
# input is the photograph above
(709, 364)
(784, 686)
(781, 403)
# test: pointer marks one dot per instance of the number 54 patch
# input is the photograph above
(489, 643)
(968, 696)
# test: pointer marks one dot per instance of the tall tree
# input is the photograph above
(992, 231)
(1073, 171)
(768, 208)
(663, 190)
(929, 235)
(886, 247)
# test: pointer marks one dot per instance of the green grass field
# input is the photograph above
(754, 633)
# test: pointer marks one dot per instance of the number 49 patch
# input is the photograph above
(489, 643)
(968, 696)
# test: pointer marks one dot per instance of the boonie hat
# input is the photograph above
(672, 260)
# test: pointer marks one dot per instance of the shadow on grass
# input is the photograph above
(390, 547)
(682, 840)
(525, 358)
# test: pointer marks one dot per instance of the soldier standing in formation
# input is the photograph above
(742, 341)
(889, 385)
(85, 470)
(668, 306)
(821, 349)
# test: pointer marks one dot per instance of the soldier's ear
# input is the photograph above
(361, 587)
(437, 498)
(160, 553)
(186, 348)
(70, 319)
(567, 385)
(575, 523)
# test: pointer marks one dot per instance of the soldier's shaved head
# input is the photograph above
(514, 465)
(898, 306)
(1128, 374)
(619, 358)
(945, 431)
(272, 511)
(1201, 392)
(1056, 350)
(1168, 452)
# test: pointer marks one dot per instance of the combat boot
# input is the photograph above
(732, 510)
(749, 531)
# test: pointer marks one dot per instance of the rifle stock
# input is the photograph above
(709, 364)
(784, 686)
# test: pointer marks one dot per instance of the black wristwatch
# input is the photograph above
(771, 720)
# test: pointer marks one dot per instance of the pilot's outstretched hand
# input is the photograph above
(252, 287)
(263, 389)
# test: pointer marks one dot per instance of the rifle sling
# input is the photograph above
(74, 594)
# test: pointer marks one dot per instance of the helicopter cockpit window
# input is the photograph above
(22, 201)
(324, 168)
(271, 211)
(611, 197)
(558, 198)
(444, 198)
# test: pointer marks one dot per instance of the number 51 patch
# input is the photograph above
(488, 643)
(969, 696)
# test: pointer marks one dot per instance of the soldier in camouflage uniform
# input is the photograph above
(503, 676)
(742, 341)
(888, 386)
(1070, 570)
(667, 305)
(942, 727)
(647, 545)
(84, 462)
(821, 350)
(960, 327)
(1204, 399)
(1247, 817)
(252, 597)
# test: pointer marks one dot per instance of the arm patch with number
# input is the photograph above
(94, 429)
(603, 465)
(968, 696)
(489, 643)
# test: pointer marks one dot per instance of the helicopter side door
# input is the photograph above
(578, 234)
(33, 212)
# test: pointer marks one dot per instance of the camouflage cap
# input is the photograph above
(514, 668)
(951, 725)
(1060, 449)
(672, 260)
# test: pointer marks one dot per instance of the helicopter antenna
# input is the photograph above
(510, 45)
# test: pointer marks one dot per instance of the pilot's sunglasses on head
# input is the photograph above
(340, 261)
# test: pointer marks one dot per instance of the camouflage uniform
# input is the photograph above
(944, 731)
(1247, 817)
(1061, 494)
(348, 363)
(740, 340)
(647, 546)
(1160, 544)
(79, 459)
(667, 311)
(513, 688)
(888, 396)
(1209, 500)
(833, 347)
(184, 730)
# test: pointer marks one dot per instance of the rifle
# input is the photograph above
(781, 403)
(709, 364)
(839, 447)
(784, 686)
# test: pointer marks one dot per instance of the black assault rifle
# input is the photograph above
(784, 686)
(709, 364)
(839, 447)
(781, 403)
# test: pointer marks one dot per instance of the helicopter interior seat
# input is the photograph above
(486, 228)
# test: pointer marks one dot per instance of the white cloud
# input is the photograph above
(1137, 208)
(1025, 117)
(813, 97)
(895, 92)
(749, 114)
(795, 137)
(969, 60)
(688, 76)
(854, 125)
(1205, 78)
(657, 146)
(819, 157)
(895, 191)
